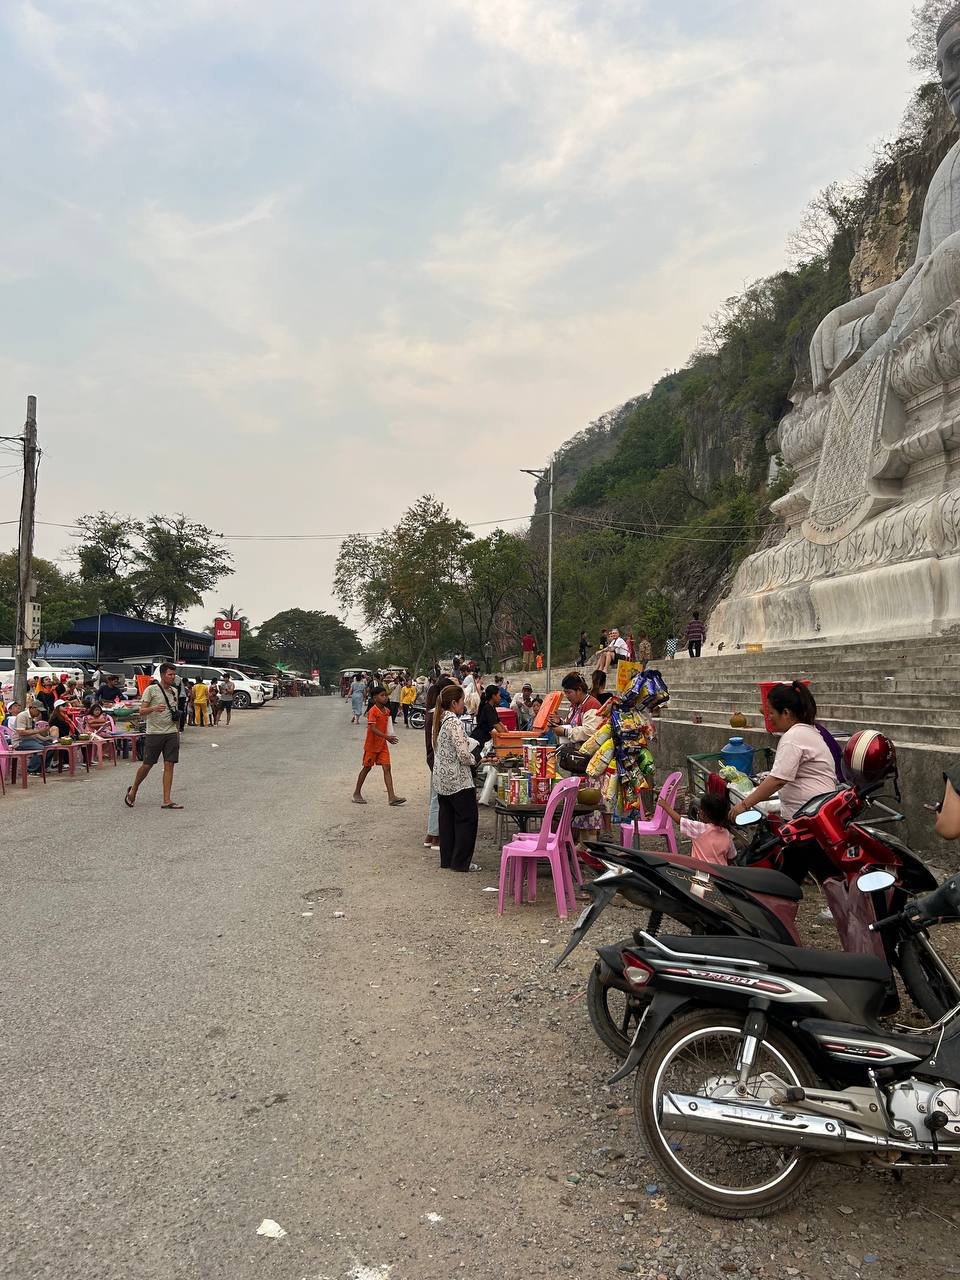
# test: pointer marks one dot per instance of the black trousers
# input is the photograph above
(393, 708)
(459, 819)
(693, 648)
(405, 708)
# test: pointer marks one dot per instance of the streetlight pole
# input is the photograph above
(540, 475)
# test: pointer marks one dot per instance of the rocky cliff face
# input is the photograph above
(591, 447)
(893, 204)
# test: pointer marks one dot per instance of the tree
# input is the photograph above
(105, 557)
(154, 569)
(234, 613)
(308, 640)
(495, 570)
(176, 562)
(61, 597)
(832, 212)
(923, 34)
(404, 580)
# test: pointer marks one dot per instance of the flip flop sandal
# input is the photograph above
(395, 803)
(126, 799)
(358, 800)
(171, 806)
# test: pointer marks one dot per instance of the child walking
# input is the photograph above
(712, 841)
(375, 748)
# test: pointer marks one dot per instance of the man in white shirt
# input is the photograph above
(616, 651)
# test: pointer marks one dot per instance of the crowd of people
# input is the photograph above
(616, 647)
(71, 709)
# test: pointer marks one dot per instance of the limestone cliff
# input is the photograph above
(886, 243)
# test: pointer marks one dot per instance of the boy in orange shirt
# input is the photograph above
(375, 748)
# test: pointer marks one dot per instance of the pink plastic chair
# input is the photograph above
(567, 840)
(10, 759)
(125, 736)
(100, 745)
(661, 824)
(521, 855)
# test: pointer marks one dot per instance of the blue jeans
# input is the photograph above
(433, 817)
(32, 744)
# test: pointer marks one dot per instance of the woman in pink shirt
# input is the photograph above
(804, 766)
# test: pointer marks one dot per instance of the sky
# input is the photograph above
(285, 267)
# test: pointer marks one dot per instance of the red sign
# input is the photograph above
(314, 673)
(226, 638)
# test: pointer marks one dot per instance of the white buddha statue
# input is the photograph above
(877, 321)
(871, 544)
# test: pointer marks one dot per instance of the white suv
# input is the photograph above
(249, 692)
(35, 668)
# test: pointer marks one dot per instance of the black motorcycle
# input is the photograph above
(737, 901)
(755, 1059)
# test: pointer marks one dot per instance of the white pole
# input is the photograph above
(550, 582)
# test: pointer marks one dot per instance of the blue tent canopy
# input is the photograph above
(122, 637)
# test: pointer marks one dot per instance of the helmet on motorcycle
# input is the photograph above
(868, 758)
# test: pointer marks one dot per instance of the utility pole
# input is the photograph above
(26, 638)
(550, 581)
(541, 475)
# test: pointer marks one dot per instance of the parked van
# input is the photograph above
(249, 692)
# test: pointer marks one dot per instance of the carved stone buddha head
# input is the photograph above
(948, 58)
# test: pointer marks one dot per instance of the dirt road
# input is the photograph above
(274, 1006)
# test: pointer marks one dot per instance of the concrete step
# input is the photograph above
(841, 708)
(839, 692)
(900, 732)
(810, 651)
(828, 683)
(696, 671)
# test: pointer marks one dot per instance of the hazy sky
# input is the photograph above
(285, 266)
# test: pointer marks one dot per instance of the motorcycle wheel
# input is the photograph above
(613, 1013)
(927, 987)
(697, 1054)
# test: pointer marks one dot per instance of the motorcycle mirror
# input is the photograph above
(750, 818)
(873, 881)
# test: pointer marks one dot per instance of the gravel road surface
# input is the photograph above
(273, 1006)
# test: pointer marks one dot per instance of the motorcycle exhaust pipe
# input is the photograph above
(770, 1126)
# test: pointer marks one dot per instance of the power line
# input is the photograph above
(659, 537)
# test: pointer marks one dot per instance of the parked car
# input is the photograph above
(36, 668)
(249, 691)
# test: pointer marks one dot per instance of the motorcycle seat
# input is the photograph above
(824, 964)
(759, 880)
(753, 879)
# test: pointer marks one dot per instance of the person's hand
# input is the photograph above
(393, 738)
(737, 809)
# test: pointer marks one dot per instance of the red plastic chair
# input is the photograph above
(72, 750)
(10, 758)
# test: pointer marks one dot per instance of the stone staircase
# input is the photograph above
(906, 689)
